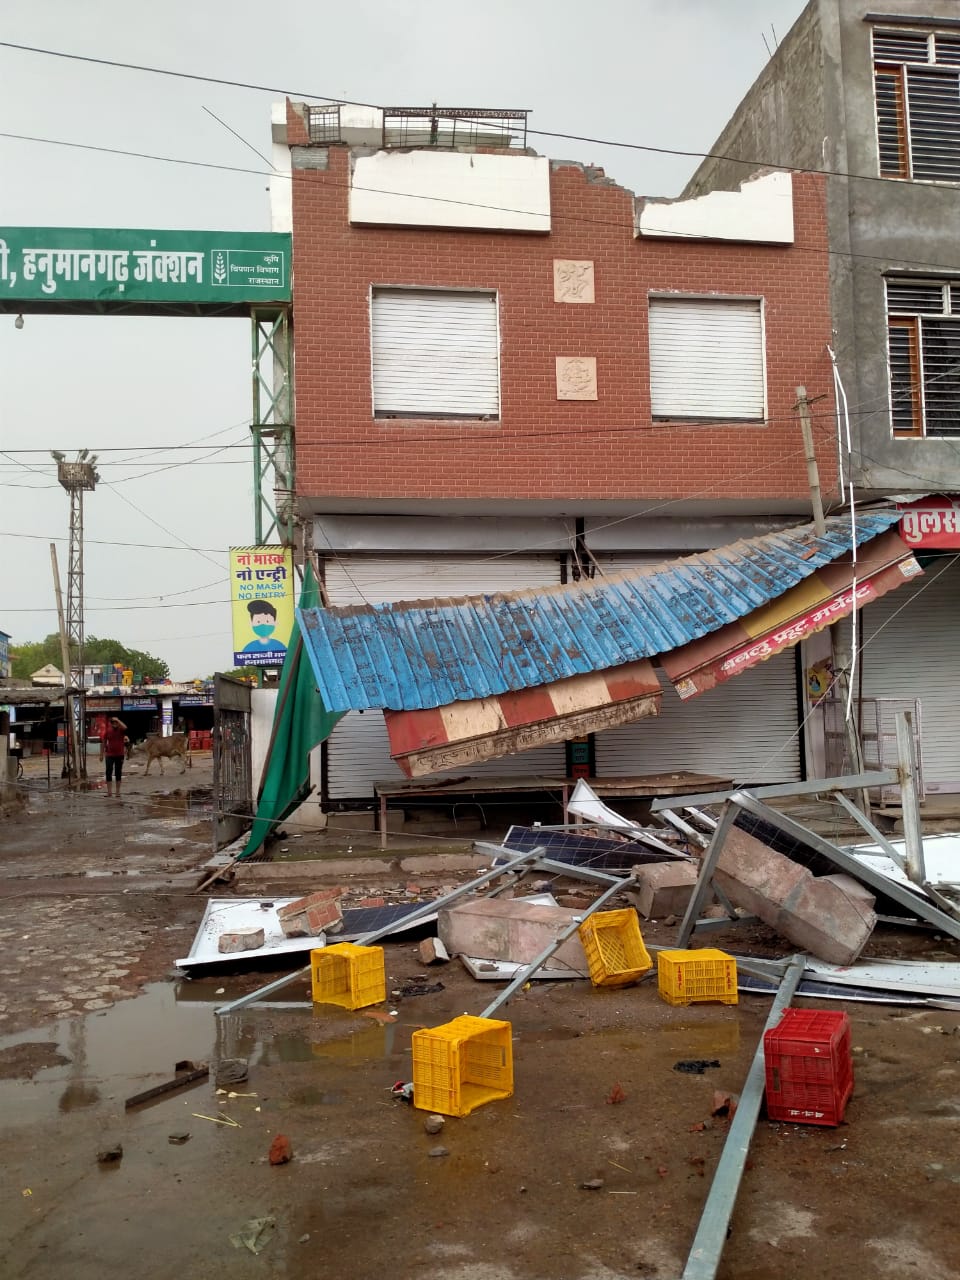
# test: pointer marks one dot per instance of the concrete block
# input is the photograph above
(815, 913)
(355, 820)
(231, 944)
(432, 951)
(663, 888)
(854, 888)
(515, 931)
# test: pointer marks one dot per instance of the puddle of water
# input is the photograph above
(197, 801)
(134, 1045)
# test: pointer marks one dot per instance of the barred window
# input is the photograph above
(917, 83)
(923, 325)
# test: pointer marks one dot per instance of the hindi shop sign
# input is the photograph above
(98, 264)
(931, 522)
(261, 589)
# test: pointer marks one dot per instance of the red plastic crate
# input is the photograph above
(809, 1067)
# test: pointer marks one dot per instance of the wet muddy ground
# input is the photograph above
(91, 1017)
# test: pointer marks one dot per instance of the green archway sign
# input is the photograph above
(102, 269)
(106, 271)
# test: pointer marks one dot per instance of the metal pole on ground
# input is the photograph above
(704, 1257)
(909, 799)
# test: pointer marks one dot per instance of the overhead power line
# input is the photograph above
(335, 100)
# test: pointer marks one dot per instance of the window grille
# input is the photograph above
(917, 84)
(923, 326)
(323, 123)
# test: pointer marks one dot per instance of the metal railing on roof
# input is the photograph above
(323, 122)
(454, 127)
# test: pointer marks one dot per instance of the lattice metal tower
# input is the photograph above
(76, 477)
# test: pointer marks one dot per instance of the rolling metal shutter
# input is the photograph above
(358, 751)
(910, 651)
(706, 358)
(435, 352)
(745, 729)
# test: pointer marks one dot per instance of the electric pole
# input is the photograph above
(76, 478)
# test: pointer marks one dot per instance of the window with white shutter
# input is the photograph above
(706, 359)
(435, 353)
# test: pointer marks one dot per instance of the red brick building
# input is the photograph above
(510, 372)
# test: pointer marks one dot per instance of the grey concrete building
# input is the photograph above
(873, 99)
(870, 95)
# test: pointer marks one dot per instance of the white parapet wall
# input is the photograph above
(451, 189)
(761, 212)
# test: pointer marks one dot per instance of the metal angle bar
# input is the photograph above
(366, 939)
(707, 867)
(912, 901)
(684, 827)
(910, 804)
(848, 782)
(711, 1236)
(708, 821)
(571, 869)
(861, 818)
(539, 961)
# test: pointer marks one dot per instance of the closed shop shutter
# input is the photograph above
(706, 358)
(910, 651)
(745, 729)
(435, 352)
(358, 751)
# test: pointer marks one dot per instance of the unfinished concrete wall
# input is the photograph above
(813, 107)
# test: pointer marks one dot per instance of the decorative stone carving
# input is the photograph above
(572, 281)
(576, 377)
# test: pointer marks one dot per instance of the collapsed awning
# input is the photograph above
(825, 597)
(461, 681)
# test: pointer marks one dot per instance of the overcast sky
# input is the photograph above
(662, 72)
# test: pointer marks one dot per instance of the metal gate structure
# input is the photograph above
(877, 720)
(232, 763)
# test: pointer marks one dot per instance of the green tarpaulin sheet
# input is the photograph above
(300, 723)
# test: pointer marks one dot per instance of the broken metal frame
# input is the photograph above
(711, 1235)
(367, 939)
(914, 903)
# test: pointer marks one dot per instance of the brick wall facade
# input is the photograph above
(543, 448)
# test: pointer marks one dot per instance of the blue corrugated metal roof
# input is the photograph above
(419, 654)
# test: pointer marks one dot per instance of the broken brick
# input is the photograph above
(281, 1151)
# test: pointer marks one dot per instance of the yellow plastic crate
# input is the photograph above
(684, 977)
(347, 975)
(461, 1065)
(615, 952)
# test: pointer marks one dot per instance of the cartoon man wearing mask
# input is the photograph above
(263, 622)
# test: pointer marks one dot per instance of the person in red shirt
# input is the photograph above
(113, 749)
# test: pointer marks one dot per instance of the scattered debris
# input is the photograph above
(226, 1120)
(403, 1091)
(186, 1073)
(695, 1066)
(416, 987)
(504, 970)
(437, 1152)
(110, 1155)
(616, 1095)
(178, 1139)
(432, 951)
(699, 1163)
(662, 1170)
(305, 1238)
(593, 1184)
(255, 1234)
(231, 944)
(433, 1124)
(281, 1151)
(317, 913)
(231, 1071)
(724, 1104)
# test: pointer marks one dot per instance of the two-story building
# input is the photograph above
(511, 372)
(869, 95)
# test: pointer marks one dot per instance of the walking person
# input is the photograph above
(113, 749)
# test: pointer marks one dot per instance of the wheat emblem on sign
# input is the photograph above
(219, 269)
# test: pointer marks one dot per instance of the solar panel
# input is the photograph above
(361, 920)
(582, 851)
